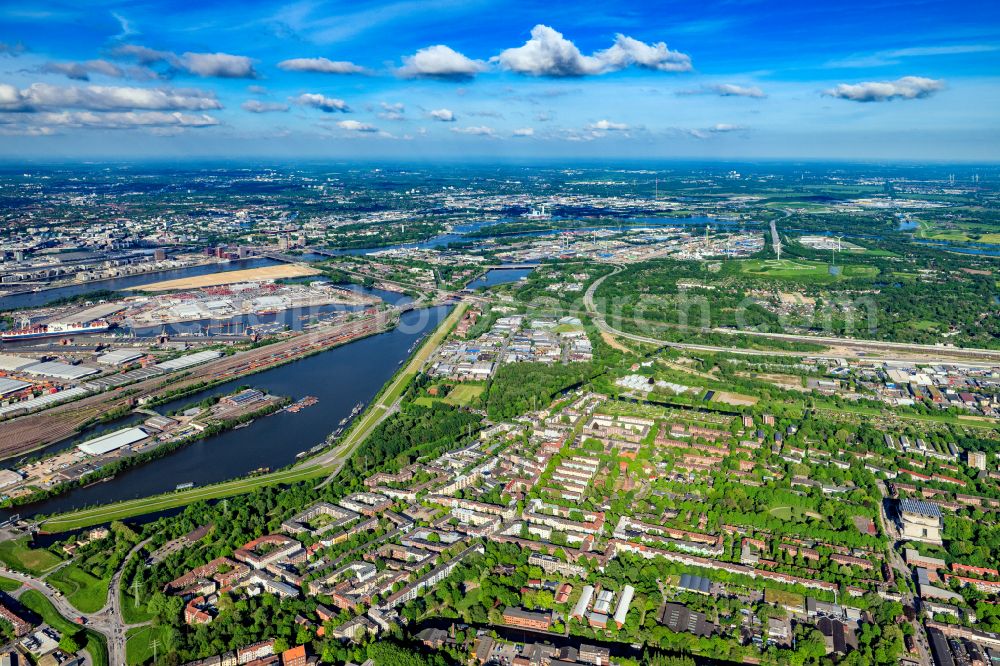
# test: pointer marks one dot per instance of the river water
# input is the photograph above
(340, 378)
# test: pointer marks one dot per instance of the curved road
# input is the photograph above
(108, 621)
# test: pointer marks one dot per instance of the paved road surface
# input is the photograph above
(108, 621)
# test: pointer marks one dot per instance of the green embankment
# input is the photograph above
(95, 643)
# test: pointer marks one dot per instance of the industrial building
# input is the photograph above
(43, 401)
(8, 386)
(59, 370)
(119, 357)
(112, 441)
(11, 363)
(187, 361)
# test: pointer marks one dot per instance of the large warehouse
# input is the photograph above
(60, 370)
(8, 386)
(112, 441)
(11, 363)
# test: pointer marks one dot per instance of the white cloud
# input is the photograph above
(548, 53)
(11, 98)
(444, 115)
(440, 62)
(727, 90)
(120, 119)
(257, 106)
(325, 104)
(718, 128)
(480, 130)
(608, 126)
(40, 96)
(908, 87)
(257, 90)
(524, 131)
(896, 56)
(356, 126)
(321, 66)
(221, 65)
(81, 71)
(394, 111)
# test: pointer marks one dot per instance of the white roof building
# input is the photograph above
(11, 363)
(583, 602)
(119, 357)
(8, 385)
(189, 360)
(112, 441)
(624, 601)
(60, 370)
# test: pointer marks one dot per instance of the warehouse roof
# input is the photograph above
(9, 477)
(119, 356)
(90, 314)
(189, 360)
(8, 385)
(60, 370)
(112, 441)
(9, 362)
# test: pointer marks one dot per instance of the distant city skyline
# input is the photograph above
(444, 79)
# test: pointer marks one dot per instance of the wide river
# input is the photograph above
(340, 378)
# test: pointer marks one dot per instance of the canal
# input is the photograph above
(340, 378)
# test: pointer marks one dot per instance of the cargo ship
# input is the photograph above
(54, 330)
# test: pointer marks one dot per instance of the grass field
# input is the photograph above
(967, 233)
(86, 592)
(36, 601)
(463, 394)
(8, 585)
(802, 270)
(139, 644)
(131, 613)
(17, 555)
(790, 512)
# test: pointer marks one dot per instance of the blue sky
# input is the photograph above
(448, 78)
